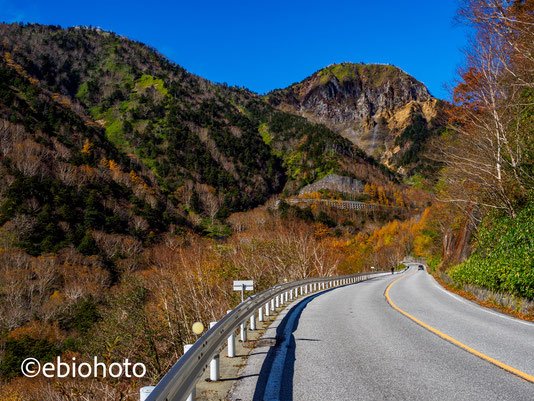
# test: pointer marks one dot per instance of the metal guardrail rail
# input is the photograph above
(338, 204)
(181, 379)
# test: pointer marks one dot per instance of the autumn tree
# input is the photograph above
(488, 151)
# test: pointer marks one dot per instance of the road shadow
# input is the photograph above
(279, 380)
(275, 380)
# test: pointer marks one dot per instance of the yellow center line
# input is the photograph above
(501, 365)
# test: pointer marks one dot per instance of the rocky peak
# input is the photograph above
(368, 104)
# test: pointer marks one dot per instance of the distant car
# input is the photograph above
(421, 267)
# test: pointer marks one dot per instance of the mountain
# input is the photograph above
(102, 133)
(379, 108)
(61, 178)
(173, 123)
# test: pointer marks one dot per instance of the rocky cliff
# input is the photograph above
(371, 105)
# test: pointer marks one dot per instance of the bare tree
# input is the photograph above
(489, 154)
(210, 201)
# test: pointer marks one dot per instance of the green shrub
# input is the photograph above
(503, 259)
(82, 318)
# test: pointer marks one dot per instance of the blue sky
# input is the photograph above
(264, 45)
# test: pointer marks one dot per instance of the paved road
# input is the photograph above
(350, 344)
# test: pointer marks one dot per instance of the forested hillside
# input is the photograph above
(176, 125)
(61, 177)
(183, 129)
(208, 150)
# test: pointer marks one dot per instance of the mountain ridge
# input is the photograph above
(369, 104)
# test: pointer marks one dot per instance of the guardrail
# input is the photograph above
(179, 383)
(338, 204)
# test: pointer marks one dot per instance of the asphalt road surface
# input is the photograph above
(349, 343)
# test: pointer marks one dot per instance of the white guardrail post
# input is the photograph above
(145, 392)
(231, 342)
(193, 393)
(179, 384)
(214, 364)
(253, 321)
(244, 331)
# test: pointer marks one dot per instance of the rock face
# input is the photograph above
(368, 104)
(335, 182)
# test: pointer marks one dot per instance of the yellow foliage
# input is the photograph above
(321, 230)
(421, 243)
(135, 178)
(148, 189)
(310, 195)
(371, 190)
(389, 243)
(8, 58)
(338, 244)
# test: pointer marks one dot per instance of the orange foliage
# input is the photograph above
(321, 230)
(39, 330)
(387, 245)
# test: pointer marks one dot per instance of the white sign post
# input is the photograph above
(243, 285)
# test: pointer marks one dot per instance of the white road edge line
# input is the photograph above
(465, 301)
(514, 371)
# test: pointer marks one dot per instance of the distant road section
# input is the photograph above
(351, 344)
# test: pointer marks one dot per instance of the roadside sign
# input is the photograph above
(246, 285)
(243, 285)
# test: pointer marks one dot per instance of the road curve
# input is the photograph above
(350, 344)
(493, 336)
